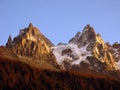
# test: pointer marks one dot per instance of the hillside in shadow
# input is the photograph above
(17, 75)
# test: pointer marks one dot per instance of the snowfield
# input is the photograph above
(81, 53)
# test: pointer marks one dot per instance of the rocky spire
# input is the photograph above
(9, 42)
(87, 27)
(81, 39)
(30, 25)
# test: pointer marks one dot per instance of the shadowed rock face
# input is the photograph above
(81, 39)
(31, 43)
(95, 53)
(115, 50)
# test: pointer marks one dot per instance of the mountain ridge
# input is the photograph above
(86, 50)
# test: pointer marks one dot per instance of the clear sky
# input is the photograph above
(60, 20)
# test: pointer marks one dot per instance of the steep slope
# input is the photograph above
(115, 50)
(85, 50)
(31, 43)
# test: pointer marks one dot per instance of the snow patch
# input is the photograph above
(57, 51)
(82, 53)
(82, 56)
(116, 50)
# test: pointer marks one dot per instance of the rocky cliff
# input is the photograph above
(31, 43)
(115, 51)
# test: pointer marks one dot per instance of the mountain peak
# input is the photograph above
(8, 44)
(30, 25)
(88, 35)
(90, 30)
(88, 27)
(32, 33)
(30, 42)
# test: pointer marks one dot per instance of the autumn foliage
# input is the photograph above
(17, 75)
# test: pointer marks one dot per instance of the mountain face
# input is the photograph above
(85, 51)
(31, 43)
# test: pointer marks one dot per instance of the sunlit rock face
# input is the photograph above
(115, 50)
(31, 43)
(86, 50)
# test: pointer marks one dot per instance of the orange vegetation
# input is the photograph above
(17, 75)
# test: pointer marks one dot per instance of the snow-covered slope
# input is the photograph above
(71, 52)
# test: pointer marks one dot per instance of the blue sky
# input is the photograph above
(60, 20)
